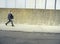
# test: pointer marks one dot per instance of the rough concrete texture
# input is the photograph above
(32, 16)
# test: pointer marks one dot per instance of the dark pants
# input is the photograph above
(10, 20)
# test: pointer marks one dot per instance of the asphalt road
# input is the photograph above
(11, 37)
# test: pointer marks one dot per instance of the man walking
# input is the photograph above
(10, 17)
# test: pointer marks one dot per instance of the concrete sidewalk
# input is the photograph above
(31, 28)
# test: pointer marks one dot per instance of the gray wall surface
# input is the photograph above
(31, 16)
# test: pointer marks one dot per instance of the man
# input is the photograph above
(10, 17)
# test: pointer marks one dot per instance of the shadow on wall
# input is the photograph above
(32, 16)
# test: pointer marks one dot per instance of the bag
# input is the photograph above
(12, 16)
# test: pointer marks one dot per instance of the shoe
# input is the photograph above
(12, 25)
(6, 24)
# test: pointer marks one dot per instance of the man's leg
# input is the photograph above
(12, 22)
(7, 22)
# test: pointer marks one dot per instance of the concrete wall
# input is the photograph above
(32, 16)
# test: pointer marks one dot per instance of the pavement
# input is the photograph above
(29, 34)
(14, 37)
(30, 28)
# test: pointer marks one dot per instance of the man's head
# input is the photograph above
(10, 11)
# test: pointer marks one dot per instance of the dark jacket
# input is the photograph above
(10, 16)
